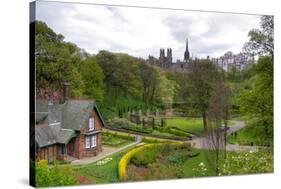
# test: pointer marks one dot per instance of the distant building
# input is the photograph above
(230, 60)
(166, 62)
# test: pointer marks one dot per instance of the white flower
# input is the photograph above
(201, 164)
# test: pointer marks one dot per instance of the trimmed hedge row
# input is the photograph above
(155, 140)
(120, 135)
(122, 166)
(125, 160)
(121, 123)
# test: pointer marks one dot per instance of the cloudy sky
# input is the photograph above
(143, 31)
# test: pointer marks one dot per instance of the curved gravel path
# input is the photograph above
(202, 142)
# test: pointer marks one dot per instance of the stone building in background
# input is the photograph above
(230, 60)
(165, 61)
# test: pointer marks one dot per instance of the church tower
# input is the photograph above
(186, 53)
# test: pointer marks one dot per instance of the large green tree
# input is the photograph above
(56, 60)
(92, 76)
(262, 40)
(202, 76)
(257, 103)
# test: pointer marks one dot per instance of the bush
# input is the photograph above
(144, 158)
(121, 123)
(154, 140)
(150, 152)
(122, 166)
(259, 161)
(55, 176)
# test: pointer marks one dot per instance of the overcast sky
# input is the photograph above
(142, 31)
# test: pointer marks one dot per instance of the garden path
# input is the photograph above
(202, 142)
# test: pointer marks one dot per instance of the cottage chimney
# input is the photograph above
(65, 91)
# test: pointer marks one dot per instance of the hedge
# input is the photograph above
(125, 160)
(122, 166)
(120, 135)
(154, 140)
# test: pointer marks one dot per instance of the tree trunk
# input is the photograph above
(204, 121)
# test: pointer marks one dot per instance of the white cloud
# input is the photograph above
(143, 31)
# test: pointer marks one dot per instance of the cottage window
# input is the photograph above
(87, 142)
(94, 141)
(91, 124)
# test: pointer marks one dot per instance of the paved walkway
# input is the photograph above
(107, 151)
(203, 143)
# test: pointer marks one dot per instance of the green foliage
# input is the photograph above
(202, 77)
(121, 123)
(54, 176)
(257, 103)
(106, 173)
(146, 157)
(248, 163)
(252, 134)
(188, 124)
(121, 73)
(56, 60)
(92, 76)
(262, 41)
(116, 139)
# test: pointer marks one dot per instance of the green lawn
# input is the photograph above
(191, 166)
(192, 124)
(107, 173)
(251, 134)
(115, 139)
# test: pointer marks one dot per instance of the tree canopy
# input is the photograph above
(262, 40)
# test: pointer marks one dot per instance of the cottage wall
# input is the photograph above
(80, 150)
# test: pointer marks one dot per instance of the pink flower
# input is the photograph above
(81, 179)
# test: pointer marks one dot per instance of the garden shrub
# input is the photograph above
(146, 155)
(115, 138)
(172, 131)
(121, 123)
(154, 140)
(260, 161)
(122, 166)
(53, 176)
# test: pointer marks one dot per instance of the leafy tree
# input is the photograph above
(182, 84)
(121, 73)
(262, 41)
(56, 60)
(128, 75)
(150, 81)
(167, 89)
(92, 76)
(202, 76)
(257, 103)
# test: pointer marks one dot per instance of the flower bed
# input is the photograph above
(154, 150)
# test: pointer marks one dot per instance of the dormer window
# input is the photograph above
(91, 124)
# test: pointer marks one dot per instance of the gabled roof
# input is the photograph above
(62, 120)
(44, 135)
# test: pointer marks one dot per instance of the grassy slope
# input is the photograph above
(107, 173)
(194, 124)
(205, 156)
